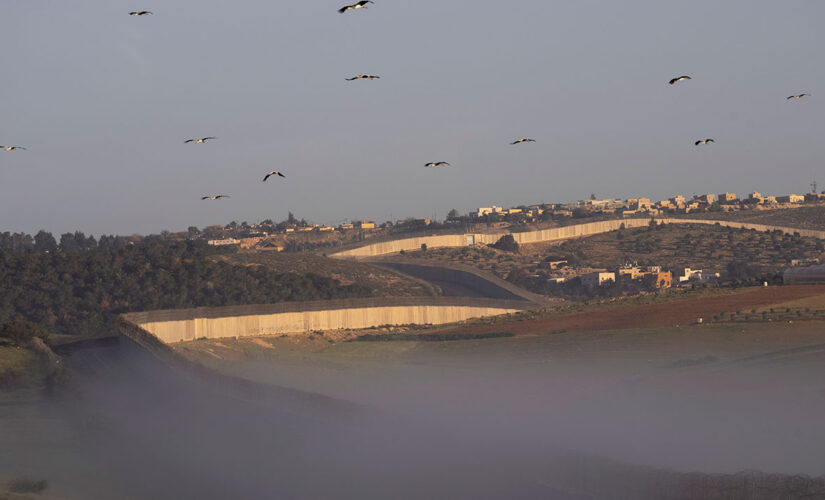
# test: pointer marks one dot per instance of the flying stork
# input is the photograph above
(679, 79)
(12, 148)
(362, 76)
(139, 13)
(217, 197)
(800, 96)
(437, 164)
(199, 141)
(522, 140)
(703, 142)
(274, 172)
(360, 5)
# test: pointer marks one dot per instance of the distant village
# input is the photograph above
(293, 234)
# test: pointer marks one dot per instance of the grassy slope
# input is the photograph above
(384, 283)
(19, 368)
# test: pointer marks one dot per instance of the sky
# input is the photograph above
(103, 101)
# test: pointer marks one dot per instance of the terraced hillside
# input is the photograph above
(671, 246)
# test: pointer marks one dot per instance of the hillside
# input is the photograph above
(707, 247)
(382, 282)
(802, 217)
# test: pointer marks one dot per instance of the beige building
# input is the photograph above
(727, 197)
(791, 198)
(639, 204)
(597, 279)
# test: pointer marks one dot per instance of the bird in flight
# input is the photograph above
(199, 141)
(703, 142)
(140, 13)
(800, 96)
(218, 197)
(360, 5)
(679, 79)
(523, 140)
(12, 148)
(437, 164)
(362, 77)
(274, 172)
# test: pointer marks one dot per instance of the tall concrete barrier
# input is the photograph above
(811, 233)
(469, 239)
(545, 235)
(295, 318)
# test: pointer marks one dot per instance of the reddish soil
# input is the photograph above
(664, 314)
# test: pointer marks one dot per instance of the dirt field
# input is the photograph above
(677, 312)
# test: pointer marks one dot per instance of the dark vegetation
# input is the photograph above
(506, 244)
(83, 291)
(20, 333)
(430, 337)
(26, 485)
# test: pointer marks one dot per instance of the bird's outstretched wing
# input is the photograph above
(280, 174)
(344, 8)
(188, 141)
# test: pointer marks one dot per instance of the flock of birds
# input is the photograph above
(363, 4)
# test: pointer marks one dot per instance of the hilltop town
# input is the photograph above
(293, 234)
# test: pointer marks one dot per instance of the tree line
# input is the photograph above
(83, 290)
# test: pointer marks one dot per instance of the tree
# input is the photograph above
(453, 214)
(20, 333)
(68, 243)
(506, 243)
(44, 242)
(592, 196)
(193, 231)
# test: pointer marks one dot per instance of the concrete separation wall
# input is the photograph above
(555, 234)
(294, 318)
(463, 240)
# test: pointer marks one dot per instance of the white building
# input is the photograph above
(227, 241)
(481, 212)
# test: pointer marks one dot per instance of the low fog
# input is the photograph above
(587, 416)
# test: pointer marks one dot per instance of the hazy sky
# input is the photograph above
(103, 102)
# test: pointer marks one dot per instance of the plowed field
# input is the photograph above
(674, 313)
